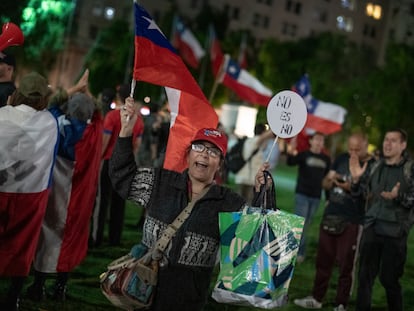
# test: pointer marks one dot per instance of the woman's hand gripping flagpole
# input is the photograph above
(129, 115)
(133, 83)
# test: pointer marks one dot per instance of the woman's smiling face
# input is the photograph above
(203, 162)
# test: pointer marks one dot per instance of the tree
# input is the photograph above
(391, 91)
(11, 11)
(44, 24)
(107, 60)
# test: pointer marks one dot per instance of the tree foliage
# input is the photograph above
(11, 10)
(44, 25)
(109, 60)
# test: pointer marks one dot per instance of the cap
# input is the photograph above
(81, 107)
(33, 84)
(7, 59)
(214, 136)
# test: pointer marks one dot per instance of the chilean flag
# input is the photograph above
(246, 86)
(157, 62)
(188, 45)
(28, 146)
(326, 118)
(63, 242)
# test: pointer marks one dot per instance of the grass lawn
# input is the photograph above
(83, 287)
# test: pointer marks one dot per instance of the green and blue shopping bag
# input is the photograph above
(257, 256)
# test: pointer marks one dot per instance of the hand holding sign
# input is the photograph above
(286, 115)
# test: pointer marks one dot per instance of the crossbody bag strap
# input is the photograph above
(172, 228)
(252, 155)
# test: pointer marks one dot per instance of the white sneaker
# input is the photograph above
(308, 303)
(340, 308)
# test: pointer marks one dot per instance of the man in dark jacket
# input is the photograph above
(389, 191)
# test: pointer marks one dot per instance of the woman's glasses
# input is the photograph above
(211, 151)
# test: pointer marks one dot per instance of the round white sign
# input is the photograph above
(286, 114)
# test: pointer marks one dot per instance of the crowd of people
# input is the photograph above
(69, 163)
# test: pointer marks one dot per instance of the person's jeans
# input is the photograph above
(306, 207)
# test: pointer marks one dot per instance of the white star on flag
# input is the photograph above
(153, 25)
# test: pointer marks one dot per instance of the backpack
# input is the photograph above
(234, 157)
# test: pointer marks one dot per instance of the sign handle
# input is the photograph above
(271, 149)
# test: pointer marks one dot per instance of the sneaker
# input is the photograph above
(341, 307)
(308, 303)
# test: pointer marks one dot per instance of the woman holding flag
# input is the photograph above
(185, 276)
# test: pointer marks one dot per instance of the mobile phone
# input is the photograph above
(341, 179)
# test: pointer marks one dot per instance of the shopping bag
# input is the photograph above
(258, 254)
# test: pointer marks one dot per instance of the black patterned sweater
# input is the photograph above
(192, 253)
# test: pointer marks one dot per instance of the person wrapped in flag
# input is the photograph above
(186, 268)
(28, 144)
(63, 241)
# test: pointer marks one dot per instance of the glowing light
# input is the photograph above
(147, 99)
(344, 23)
(112, 105)
(145, 111)
(373, 10)
(109, 13)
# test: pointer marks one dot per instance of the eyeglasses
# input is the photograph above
(211, 151)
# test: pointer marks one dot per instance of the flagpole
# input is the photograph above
(173, 29)
(242, 50)
(201, 78)
(217, 79)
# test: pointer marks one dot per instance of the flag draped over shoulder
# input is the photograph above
(244, 84)
(188, 45)
(28, 146)
(323, 117)
(157, 62)
(65, 230)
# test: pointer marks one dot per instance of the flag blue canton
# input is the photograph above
(303, 88)
(312, 104)
(146, 27)
(233, 69)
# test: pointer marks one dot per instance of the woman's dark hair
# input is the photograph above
(36, 102)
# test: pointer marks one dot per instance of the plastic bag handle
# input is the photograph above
(267, 196)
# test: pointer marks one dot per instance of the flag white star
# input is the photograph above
(232, 69)
(153, 25)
